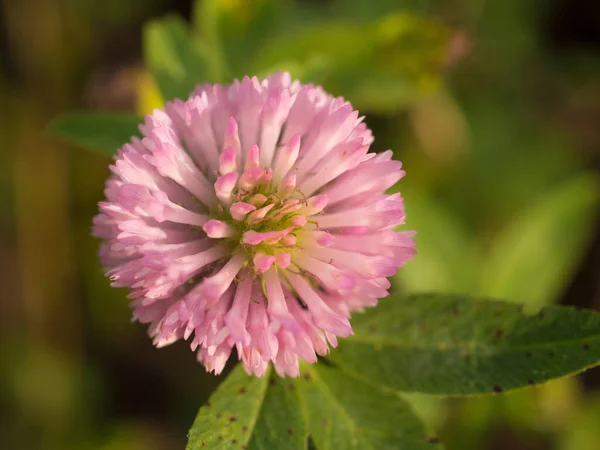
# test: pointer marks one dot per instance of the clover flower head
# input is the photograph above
(253, 216)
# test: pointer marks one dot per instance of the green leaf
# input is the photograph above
(176, 60)
(259, 413)
(534, 257)
(103, 132)
(345, 413)
(447, 344)
(280, 423)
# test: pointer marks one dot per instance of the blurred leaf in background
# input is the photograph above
(380, 62)
(100, 131)
(534, 257)
(173, 57)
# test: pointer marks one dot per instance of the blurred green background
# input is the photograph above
(492, 105)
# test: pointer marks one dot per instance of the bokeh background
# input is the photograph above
(493, 105)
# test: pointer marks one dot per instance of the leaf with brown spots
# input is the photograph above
(346, 413)
(420, 345)
(280, 424)
(221, 425)
(250, 413)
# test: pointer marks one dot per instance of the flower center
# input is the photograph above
(265, 222)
